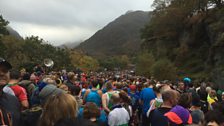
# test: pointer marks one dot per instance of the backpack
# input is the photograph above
(109, 94)
(134, 101)
(6, 119)
(110, 105)
(34, 99)
(30, 117)
(94, 97)
(30, 88)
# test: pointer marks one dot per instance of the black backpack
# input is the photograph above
(31, 116)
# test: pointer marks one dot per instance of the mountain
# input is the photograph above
(13, 32)
(70, 45)
(119, 37)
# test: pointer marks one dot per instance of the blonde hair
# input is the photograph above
(71, 75)
(64, 87)
(58, 107)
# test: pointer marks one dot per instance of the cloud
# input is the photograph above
(57, 35)
(72, 20)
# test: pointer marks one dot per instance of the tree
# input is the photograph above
(83, 62)
(36, 49)
(164, 70)
(87, 63)
(160, 5)
(3, 24)
(13, 50)
(144, 63)
(118, 62)
(124, 61)
(3, 31)
(2, 48)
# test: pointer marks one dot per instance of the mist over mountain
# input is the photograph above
(70, 45)
(119, 37)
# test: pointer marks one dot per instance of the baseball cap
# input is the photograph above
(187, 80)
(5, 63)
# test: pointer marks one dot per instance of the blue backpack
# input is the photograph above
(94, 97)
(134, 100)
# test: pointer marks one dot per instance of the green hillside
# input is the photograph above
(120, 37)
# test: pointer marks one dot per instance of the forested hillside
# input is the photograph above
(188, 35)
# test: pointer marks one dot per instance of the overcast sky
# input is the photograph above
(60, 21)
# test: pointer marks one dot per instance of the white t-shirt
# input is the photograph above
(118, 117)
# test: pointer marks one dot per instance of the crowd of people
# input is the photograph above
(108, 98)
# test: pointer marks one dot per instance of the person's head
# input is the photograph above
(139, 87)
(91, 111)
(94, 83)
(22, 71)
(187, 82)
(4, 72)
(26, 76)
(185, 100)
(57, 107)
(222, 96)
(170, 97)
(33, 77)
(212, 94)
(208, 90)
(124, 97)
(133, 88)
(214, 118)
(115, 99)
(48, 80)
(181, 85)
(64, 87)
(203, 86)
(196, 101)
(14, 74)
(164, 88)
(119, 85)
(149, 83)
(71, 76)
(48, 90)
(109, 86)
(75, 90)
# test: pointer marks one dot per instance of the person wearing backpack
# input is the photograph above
(19, 91)
(107, 105)
(134, 97)
(134, 104)
(93, 95)
(28, 85)
(9, 104)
